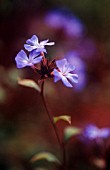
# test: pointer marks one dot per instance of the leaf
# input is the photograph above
(45, 156)
(29, 83)
(71, 131)
(63, 117)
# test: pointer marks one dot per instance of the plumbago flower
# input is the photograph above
(22, 60)
(93, 132)
(74, 58)
(35, 46)
(60, 69)
(64, 72)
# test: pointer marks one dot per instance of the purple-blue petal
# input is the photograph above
(91, 132)
(39, 50)
(72, 77)
(57, 75)
(70, 67)
(33, 54)
(50, 43)
(61, 64)
(44, 42)
(33, 40)
(37, 60)
(21, 59)
(66, 82)
(29, 47)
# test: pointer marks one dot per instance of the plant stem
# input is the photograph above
(49, 115)
(64, 156)
(54, 127)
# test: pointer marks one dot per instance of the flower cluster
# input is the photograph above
(59, 70)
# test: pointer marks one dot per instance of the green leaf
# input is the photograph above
(45, 156)
(63, 117)
(71, 131)
(29, 83)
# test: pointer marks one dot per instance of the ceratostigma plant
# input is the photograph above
(58, 70)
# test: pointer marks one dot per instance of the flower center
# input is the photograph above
(39, 46)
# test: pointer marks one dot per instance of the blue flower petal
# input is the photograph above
(64, 66)
(70, 67)
(33, 40)
(66, 82)
(50, 43)
(33, 54)
(44, 42)
(72, 77)
(41, 50)
(38, 51)
(37, 60)
(61, 64)
(44, 50)
(21, 59)
(29, 47)
(92, 132)
(57, 75)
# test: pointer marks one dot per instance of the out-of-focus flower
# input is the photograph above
(22, 60)
(73, 58)
(74, 27)
(55, 19)
(64, 19)
(93, 132)
(35, 46)
(64, 73)
(87, 48)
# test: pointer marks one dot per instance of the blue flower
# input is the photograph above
(74, 58)
(22, 60)
(93, 132)
(35, 46)
(64, 73)
(63, 19)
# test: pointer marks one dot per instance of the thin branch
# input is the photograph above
(62, 146)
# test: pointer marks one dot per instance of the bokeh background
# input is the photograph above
(81, 31)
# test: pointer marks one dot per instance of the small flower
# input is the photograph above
(35, 46)
(64, 20)
(64, 73)
(74, 58)
(22, 60)
(93, 132)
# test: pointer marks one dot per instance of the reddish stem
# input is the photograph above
(62, 146)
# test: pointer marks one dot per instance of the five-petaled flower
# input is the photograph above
(22, 60)
(34, 46)
(64, 72)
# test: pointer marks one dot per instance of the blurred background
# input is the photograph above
(81, 32)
